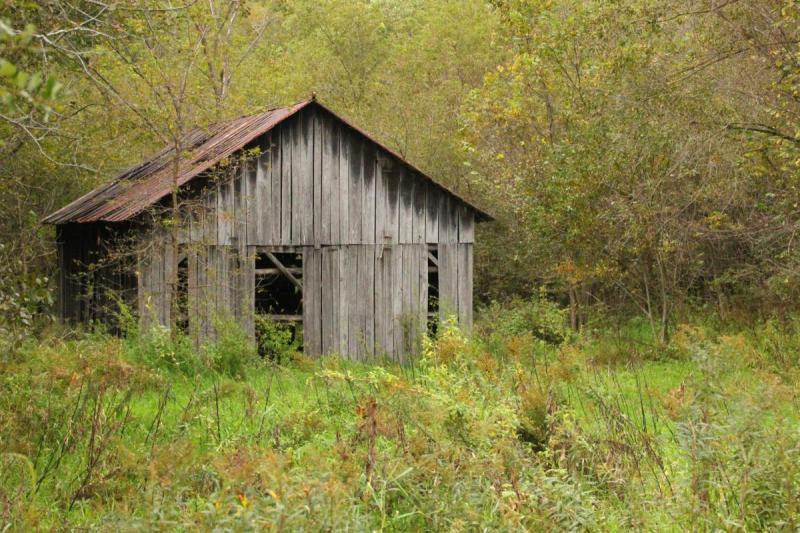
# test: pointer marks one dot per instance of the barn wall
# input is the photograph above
(93, 276)
(363, 301)
(318, 182)
(363, 221)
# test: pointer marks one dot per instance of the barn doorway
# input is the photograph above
(433, 289)
(279, 294)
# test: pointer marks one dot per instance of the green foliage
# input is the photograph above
(232, 352)
(276, 341)
(159, 348)
(476, 437)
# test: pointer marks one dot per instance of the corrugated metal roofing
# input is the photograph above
(138, 188)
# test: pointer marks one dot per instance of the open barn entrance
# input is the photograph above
(279, 291)
(433, 289)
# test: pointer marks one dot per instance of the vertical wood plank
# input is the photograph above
(311, 310)
(330, 167)
(355, 146)
(419, 205)
(344, 303)
(299, 176)
(320, 219)
(391, 221)
(465, 297)
(329, 307)
(353, 301)
(367, 292)
(344, 187)
(327, 179)
(397, 302)
(258, 200)
(432, 201)
(466, 224)
(287, 160)
(405, 216)
(381, 201)
(368, 156)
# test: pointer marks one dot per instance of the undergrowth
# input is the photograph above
(522, 425)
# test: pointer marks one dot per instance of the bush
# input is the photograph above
(233, 350)
(157, 347)
(275, 340)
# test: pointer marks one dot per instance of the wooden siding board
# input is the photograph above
(391, 221)
(405, 215)
(330, 165)
(287, 160)
(329, 304)
(343, 303)
(466, 224)
(367, 292)
(307, 178)
(326, 178)
(419, 204)
(321, 222)
(351, 267)
(465, 296)
(448, 273)
(432, 204)
(344, 188)
(397, 302)
(355, 199)
(299, 171)
(367, 157)
(312, 320)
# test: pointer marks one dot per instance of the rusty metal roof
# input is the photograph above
(139, 187)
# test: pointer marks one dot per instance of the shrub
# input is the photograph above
(233, 351)
(275, 340)
(157, 347)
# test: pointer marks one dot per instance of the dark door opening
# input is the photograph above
(182, 294)
(433, 289)
(279, 291)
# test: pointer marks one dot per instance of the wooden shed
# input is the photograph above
(292, 213)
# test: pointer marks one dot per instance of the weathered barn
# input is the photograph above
(292, 213)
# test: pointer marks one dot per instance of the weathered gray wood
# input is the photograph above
(406, 208)
(465, 296)
(326, 177)
(299, 177)
(351, 288)
(367, 292)
(327, 300)
(448, 280)
(432, 201)
(448, 221)
(355, 146)
(397, 302)
(287, 160)
(247, 291)
(343, 303)
(285, 271)
(307, 176)
(273, 213)
(367, 170)
(466, 224)
(419, 203)
(321, 225)
(381, 201)
(330, 165)
(344, 188)
(360, 217)
(312, 324)
(391, 230)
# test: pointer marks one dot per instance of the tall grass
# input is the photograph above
(521, 426)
